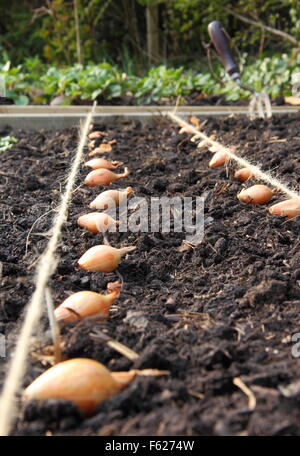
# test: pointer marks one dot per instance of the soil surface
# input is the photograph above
(224, 309)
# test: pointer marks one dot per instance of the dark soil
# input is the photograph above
(227, 308)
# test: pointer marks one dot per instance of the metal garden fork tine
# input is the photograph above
(260, 105)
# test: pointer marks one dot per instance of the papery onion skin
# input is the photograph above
(103, 177)
(257, 194)
(243, 174)
(289, 208)
(85, 382)
(103, 258)
(96, 134)
(97, 163)
(110, 199)
(97, 222)
(218, 159)
(85, 304)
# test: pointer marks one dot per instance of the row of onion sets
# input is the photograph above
(257, 194)
(86, 382)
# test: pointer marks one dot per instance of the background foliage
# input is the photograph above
(38, 54)
(114, 29)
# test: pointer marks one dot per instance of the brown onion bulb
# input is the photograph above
(85, 382)
(97, 222)
(103, 258)
(289, 208)
(96, 134)
(97, 163)
(103, 148)
(218, 159)
(103, 176)
(88, 304)
(110, 199)
(243, 174)
(257, 194)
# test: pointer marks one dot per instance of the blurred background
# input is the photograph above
(143, 51)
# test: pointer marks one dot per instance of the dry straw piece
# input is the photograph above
(255, 170)
(45, 269)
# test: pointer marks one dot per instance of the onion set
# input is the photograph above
(103, 176)
(218, 159)
(103, 258)
(88, 304)
(243, 174)
(97, 163)
(289, 208)
(85, 382)
(104, 147)
(97, 222)
(257, 194)
(96, 134)
(110, 199)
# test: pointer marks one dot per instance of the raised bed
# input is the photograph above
(60, 117)
(225, 309)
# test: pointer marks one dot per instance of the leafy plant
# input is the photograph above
(37, 83)
(6, 142)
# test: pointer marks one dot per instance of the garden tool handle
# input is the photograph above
(221, 43)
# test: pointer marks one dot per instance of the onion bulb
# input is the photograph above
(97, 222)
(103, 258)
(110, 199)
(86, 304)
(96, 134)
(97, 163)
(85, 382)
(103, 176)
(243, 174)
(218, 159)
(289, 208)
(103, 148)
(257, 194)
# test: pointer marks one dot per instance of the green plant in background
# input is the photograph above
(37, 83)
(57, 29)
(83, 82)
(6, 142)
(273, 74)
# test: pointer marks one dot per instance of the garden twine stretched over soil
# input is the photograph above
(45, 269)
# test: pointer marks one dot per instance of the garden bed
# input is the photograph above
(224, 309)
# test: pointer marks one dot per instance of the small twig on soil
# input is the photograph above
(195, 394)
(240, 384)
(16, 176)
(32, 226)
(55, 331)
(121, 348)
(256, 171)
